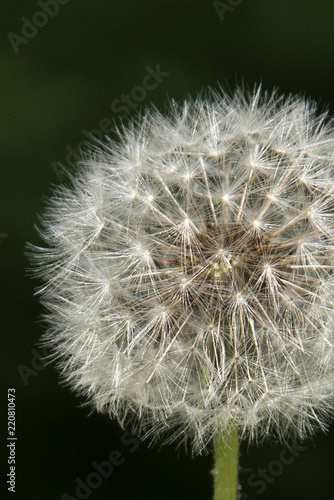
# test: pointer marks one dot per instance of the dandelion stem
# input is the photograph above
(226, 466)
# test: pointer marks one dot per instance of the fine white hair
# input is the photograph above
(188, 270)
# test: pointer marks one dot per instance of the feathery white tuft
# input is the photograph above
(188, 273)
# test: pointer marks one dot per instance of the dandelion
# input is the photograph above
(188, 273)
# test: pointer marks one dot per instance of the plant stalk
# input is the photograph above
(226, 466)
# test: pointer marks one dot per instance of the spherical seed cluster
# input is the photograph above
(188, 274)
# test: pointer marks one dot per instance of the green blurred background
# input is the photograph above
(68, 76)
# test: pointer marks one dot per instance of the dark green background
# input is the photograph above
(63, 82)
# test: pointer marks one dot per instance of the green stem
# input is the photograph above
(226, 466)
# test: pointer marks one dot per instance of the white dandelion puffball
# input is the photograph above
(188, 270)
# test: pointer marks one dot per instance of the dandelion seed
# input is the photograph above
(206, 294)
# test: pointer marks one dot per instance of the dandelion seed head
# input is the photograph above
(188, 270)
